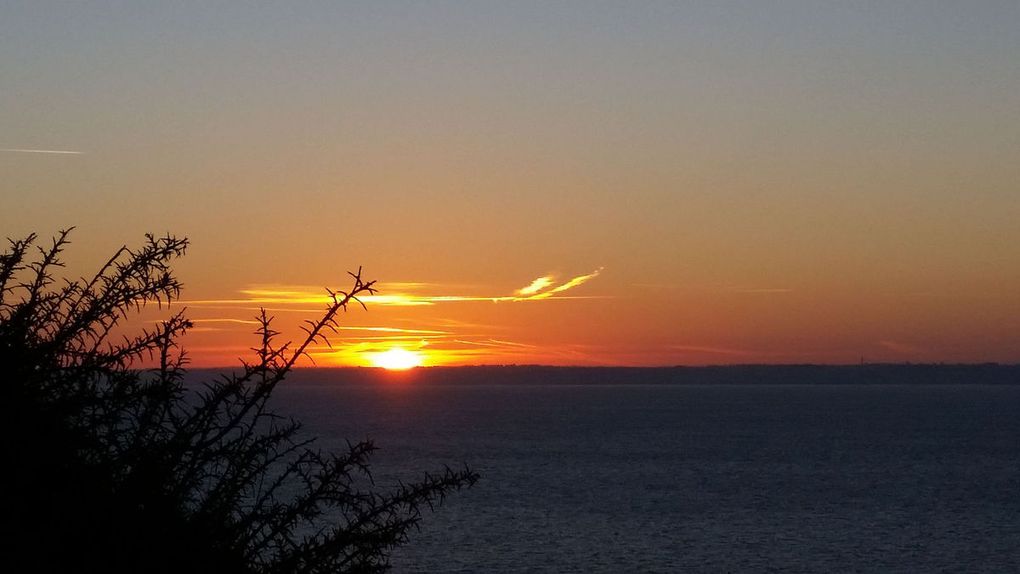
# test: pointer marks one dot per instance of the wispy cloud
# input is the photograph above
(226, 320)
(342, 338)
(404, 285)
(452, 350)
(659, 286)
(495, 343)
(534, 291)
(715, 350)
(760, 290)
(543, 288)
(448, 341)
(50, 151)
(536, 286)
(448, 323)
(396, 330)
(742, 289)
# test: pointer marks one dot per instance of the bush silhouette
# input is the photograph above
(111, 468)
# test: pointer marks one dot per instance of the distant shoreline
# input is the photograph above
(801, 374)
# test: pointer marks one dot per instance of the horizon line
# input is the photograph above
(677, 366)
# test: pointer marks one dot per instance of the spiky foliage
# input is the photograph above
(115, 469)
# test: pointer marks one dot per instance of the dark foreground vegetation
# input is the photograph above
(111, 468)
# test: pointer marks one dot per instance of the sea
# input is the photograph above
(741, 476)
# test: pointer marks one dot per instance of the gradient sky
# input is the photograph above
(729, 182)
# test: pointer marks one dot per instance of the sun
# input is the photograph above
(396, 359)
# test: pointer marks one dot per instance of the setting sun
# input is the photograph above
(396, 359)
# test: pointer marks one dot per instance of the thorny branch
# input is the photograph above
(213, 462)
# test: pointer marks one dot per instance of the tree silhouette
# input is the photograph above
(111, 468)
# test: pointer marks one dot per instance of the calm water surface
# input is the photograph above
(727, 478)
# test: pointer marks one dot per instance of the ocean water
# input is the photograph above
(695, 478)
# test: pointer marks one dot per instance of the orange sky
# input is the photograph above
(696, 183)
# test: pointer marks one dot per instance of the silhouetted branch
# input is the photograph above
(138, 464)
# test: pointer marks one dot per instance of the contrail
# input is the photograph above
(57, 151)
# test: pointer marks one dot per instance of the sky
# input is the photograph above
(571, 183)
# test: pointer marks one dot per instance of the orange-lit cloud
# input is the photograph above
(714, 288)
(496, 343)
(542, 282)
(299, 295)
(436, 340)
(536, 286)
(716, 350)
(451, 351)
(226, 320)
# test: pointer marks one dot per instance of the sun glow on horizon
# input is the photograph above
(396, 359)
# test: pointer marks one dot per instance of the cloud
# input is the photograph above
(404, 285)
(298, 295)
(448, 323)
(226, 320)
(715, 288)
(50, 151)
(536, 286)
(659, 286)
(575, 282)
(448, 341)
(395, 330)
(535, 291)
(495, 343)
(715, 350)
(341, 337)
